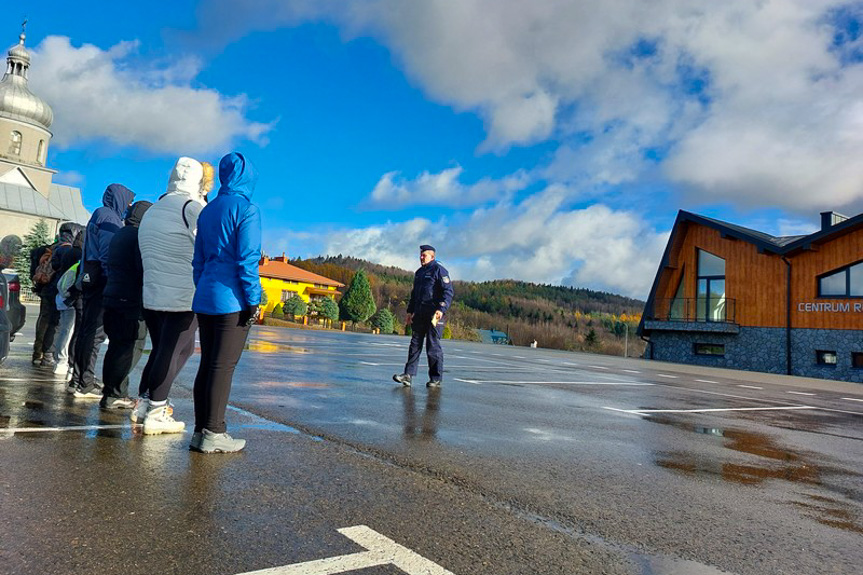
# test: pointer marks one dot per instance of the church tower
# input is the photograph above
(25, 122)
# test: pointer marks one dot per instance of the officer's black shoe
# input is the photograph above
(403, 379)
(433, 383)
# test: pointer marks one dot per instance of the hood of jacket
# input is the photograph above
(136, 212)
(117, 198)
(69, 232)
(237, 175)
(187, 179)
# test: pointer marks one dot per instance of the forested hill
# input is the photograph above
(557, 316)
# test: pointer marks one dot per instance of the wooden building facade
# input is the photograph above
(729, 296)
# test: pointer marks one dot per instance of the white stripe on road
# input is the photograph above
(66, 428)
(381, 551)
(705, 381)
(800, 393)
(631, 371)
(852, 399)
(58, 379)
(466, 380)
(593, 366)
(666, 376)
(368, 363)
(556, 382)
(750, 386)
(716, 409)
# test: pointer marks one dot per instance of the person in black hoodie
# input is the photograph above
(92, 276)
(123, 303)
(67, 252)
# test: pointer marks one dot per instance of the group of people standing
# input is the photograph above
(170, 268)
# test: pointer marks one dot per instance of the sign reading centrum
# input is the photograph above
(381, 551)
(830, 307)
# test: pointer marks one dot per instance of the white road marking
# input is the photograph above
(631, 371)
(706, 381)
(851, 399)
(750, 386)
(594, 366)
(381, 551)
(800, 393)
(558, 382)
(66, 428)
(666, 376)
(58, 379)
(368, 363)
(715, 409)
(473, 381)
(518, 356)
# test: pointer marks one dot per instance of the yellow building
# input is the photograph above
(281, 281)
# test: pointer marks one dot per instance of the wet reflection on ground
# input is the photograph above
(775, 463)
(425, 425)
(264, 346)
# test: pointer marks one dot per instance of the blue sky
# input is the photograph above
(551, 141)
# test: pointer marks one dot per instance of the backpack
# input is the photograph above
(44, 272)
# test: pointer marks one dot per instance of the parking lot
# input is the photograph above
(526, 461)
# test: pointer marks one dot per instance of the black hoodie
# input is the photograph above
(125, 270)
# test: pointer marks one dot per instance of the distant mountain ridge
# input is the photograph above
(556, 316)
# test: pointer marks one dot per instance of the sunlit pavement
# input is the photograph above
(527, 461)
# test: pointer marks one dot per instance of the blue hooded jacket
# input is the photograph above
(105, 222)
(228, 243)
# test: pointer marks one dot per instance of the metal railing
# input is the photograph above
(700, 309)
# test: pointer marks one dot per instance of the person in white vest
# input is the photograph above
(167, 240)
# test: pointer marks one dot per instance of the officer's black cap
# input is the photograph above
(426, 248)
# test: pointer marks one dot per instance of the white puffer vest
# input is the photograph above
(166, 237)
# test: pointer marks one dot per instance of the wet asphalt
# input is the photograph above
(526, 461)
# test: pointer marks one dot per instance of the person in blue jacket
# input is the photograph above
(431, 297)
(227, 296)
(93, 276)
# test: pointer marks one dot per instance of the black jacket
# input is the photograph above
(125, 269)
(432, 290)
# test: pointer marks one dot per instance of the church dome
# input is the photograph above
(17, 102)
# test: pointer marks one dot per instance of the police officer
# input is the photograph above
(430, 299)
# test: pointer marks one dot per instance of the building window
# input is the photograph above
(710, 300)
(40, 154)
(823, 357)
(846, 282)
(15, 144)
(857, 359)
(677, 311)
(715, 349)
(287, 294)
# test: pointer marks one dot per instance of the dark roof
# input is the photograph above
(765, 241)
(63, 203)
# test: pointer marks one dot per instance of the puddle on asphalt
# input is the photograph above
(263, 346)
(779, 463)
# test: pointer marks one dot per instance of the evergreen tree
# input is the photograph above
(447, 331)
(383, 320)
(294, 306)
(37, 237)
(278, 312)
(591, 339)
(329, 309)
(358, 304)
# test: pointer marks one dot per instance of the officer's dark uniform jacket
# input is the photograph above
(432, 291)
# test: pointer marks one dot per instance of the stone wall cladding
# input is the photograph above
(763, 349)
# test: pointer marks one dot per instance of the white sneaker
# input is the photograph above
(161, 420)
(61, 369)
(139, 410)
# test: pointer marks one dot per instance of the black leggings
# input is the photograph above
(173, 337)
(223, 338)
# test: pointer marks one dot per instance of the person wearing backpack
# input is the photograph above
(124, 321)
(92, 277)
(167, 241)
(64, 256)
(40, 268)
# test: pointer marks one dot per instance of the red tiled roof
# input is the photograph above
(279, 268)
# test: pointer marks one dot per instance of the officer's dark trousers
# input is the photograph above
(46, 324)
(126, 333)
(223, 338)
(173, 337)
(90, 336)
(424, 331)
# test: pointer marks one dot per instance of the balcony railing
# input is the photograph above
(700, 309)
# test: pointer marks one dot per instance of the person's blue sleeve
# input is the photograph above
(198, 259)
(249, 254)
(106, 231)
(446, 288)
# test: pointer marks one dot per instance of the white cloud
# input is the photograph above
(443, 189)
(741, 101)
(537, 240)
(104, 95)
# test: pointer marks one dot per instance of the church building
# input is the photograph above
(27, 193)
